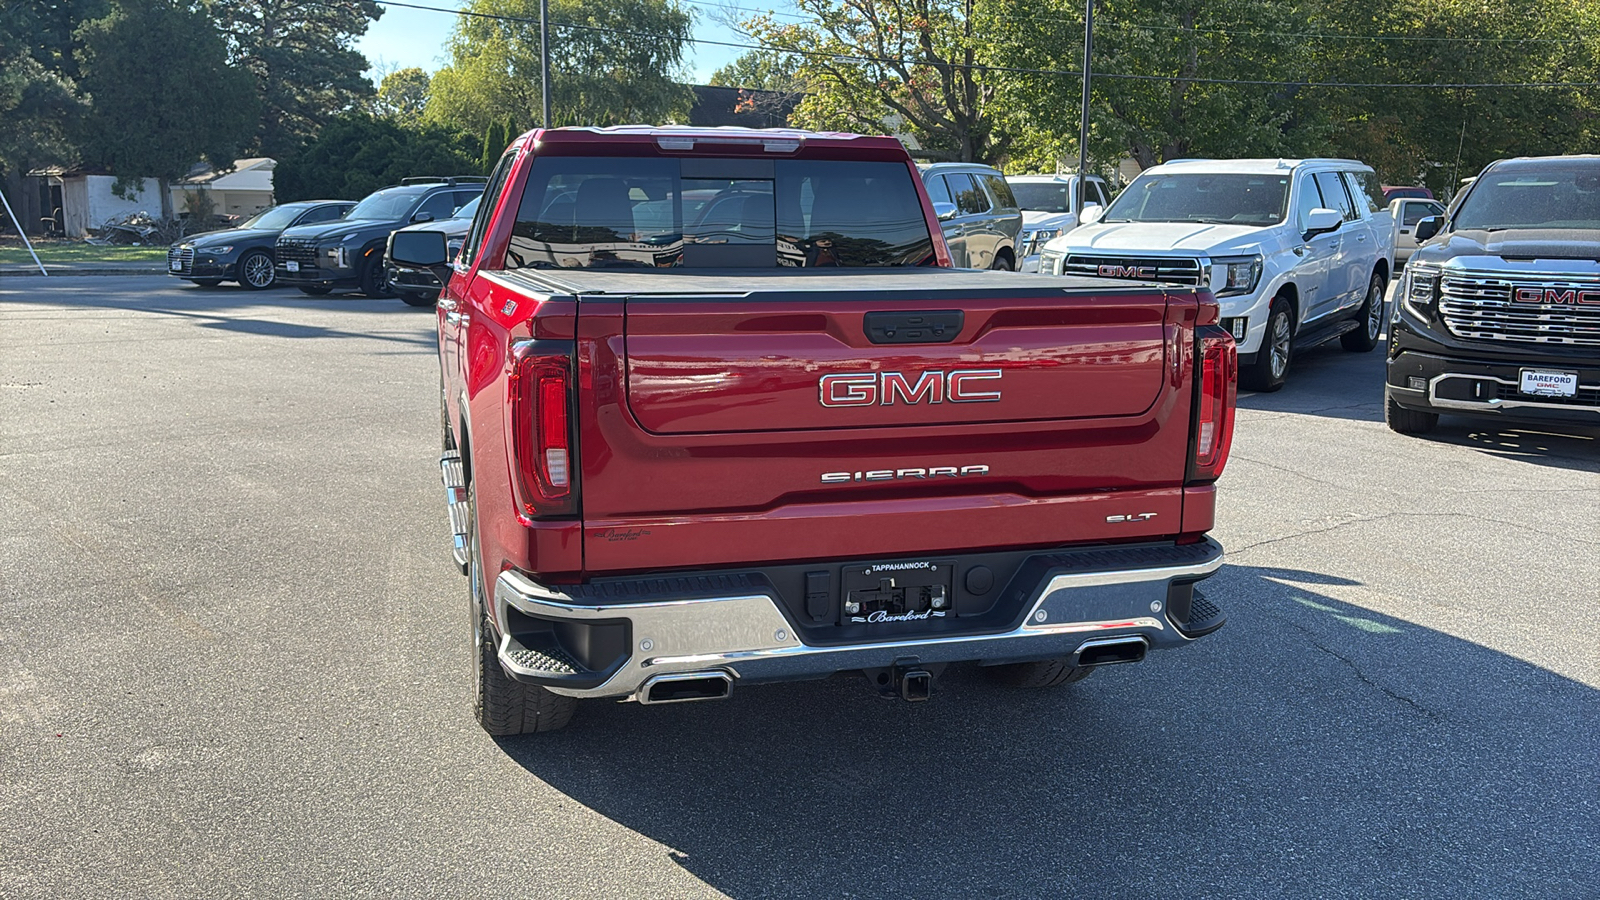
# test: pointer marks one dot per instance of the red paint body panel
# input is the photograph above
(713, 367)
(702, 440)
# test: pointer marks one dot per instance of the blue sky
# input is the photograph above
(413, 37)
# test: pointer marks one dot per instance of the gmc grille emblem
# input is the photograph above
(892, 388)
(1146, 272)
(1568, 297)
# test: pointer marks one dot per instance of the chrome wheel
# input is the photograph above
(255, 270)
(1280, 339)
(1374, 309)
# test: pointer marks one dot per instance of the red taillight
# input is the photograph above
(541, 420)
(1216, 389)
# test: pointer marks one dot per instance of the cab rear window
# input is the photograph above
(585, 212)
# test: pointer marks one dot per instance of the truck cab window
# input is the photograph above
(599, 212)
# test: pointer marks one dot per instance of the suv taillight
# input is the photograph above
(1216, 389)
(541, 421)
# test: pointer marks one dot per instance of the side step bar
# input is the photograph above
(451, 472)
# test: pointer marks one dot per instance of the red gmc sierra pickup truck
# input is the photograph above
(718, 411)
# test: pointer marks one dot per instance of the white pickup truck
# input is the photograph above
(1298, 252)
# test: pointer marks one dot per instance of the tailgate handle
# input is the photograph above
(935, 326)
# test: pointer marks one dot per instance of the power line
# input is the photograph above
(1020, 70)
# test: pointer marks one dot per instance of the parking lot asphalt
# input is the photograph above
(233, 662)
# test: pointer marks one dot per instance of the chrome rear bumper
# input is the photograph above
(747, 636)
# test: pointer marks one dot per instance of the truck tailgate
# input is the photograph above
(757, 417)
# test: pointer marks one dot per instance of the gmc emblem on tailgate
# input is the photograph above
(890, 388)
(1146, 272)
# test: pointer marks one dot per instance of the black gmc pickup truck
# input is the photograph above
(1499, 313)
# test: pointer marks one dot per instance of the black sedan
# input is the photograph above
(244, 254)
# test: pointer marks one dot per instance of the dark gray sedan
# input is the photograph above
(244, 254)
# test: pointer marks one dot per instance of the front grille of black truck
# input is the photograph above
(291, 249)
(1170, 271)
(1485, 307)
(184, 259)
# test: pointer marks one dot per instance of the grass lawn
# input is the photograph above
(12, 252)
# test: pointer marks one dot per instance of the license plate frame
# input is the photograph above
(175, 265)
(291, 266)
(1548, 383)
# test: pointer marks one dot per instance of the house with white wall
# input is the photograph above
(87, 200)
(242, 191)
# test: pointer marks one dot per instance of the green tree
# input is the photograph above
(893, 66)
(1442, 134)
(1180, 108)
(612, 62)
(402, 95)
(39, 97)
(156, 114)
(496, 138)
(761, 70)
(355, 154)
(300, 53)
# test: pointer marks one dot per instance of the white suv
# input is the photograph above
(1047, 202)
(1297, 251)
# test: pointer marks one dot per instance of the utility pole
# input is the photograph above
(1083, 122)
(544, 59)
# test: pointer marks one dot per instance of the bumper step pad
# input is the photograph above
(455, 489)
(1204, 616)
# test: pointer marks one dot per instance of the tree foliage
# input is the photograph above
(40, 103)
(999, 80)
(357, 153)
(402, 95)
(758, 70)
(612, 62)
(300, 53)
(1166, 115)
(895, 65)
(157, 114)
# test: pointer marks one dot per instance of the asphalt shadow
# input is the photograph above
(1329, 382)
(1310, 749)
(214, 308)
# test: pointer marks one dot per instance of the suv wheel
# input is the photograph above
(418, 298)
(1002, 262)
(1266, 374)
(375, 278)
(501, 704)
(1042, 674)
(1407, 421)
(1371, 318)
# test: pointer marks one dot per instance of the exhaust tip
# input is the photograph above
(1110, 651)
(683, 688)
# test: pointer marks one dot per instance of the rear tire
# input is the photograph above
(501, 704)
(1407, 421)
(1365, 338)
(1002, 262)
(316, 291)
(1267, 373)
(412, 298)
(1042, 674)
